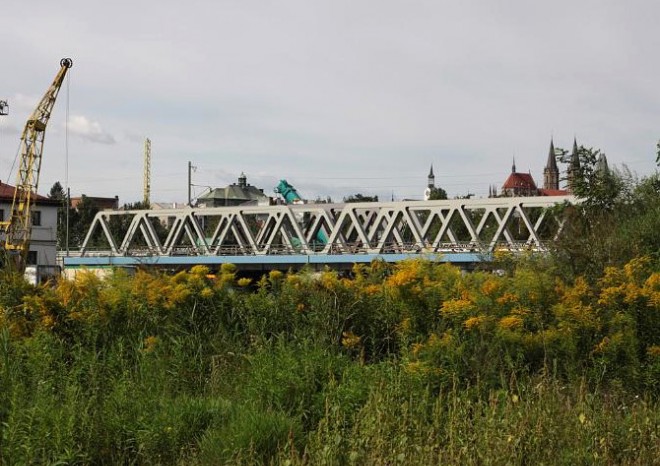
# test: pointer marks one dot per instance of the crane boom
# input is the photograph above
(18, 227)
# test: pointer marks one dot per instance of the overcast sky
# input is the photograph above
(336, 96)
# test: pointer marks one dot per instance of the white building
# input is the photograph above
(43, 242)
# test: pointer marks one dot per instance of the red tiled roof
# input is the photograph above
(553, 192)
(518, 181)
(7, 195)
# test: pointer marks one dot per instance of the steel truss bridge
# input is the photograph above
(281, 236)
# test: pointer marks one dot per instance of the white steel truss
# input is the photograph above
(481, 225)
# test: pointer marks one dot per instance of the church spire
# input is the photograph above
(551, 172)
(431, 179)
(573, 171)
(551, 164)
(601, 165)
(513, 167)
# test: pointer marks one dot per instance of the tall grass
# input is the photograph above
(414, 364)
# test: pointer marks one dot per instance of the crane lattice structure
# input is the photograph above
(4, 108)
(19, 226)
(147, 172)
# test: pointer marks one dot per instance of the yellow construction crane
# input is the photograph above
(18, 227)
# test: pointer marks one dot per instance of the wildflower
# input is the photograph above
(490, 286)
(243, 282)
(416, 348)
(372, 289)
(329, 279)
(602, 346)
(300, 307)
(228, 268)
(293, 279)
(404, 325)
(507, 298)
(455, 307)
(150, 343)
(48, 322)
(201, 270)
(350, 340)
(206, 292)
(275, 275)
(511, 322)
(653, 351)
(414, 367)
(473, 322)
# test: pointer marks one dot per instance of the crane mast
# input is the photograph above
(147, 172)
(18, 227)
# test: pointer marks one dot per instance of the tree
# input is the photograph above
(617, 219)
(80, 219)
(437, 194)
(360, 198)
(57, 193)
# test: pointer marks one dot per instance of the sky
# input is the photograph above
(338, 97)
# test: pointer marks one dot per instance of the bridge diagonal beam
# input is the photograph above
(102, 222)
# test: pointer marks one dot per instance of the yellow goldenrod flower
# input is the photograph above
(510, 322)
(473, 322)
(350, 340)
(150, 343)
(243, 282)
(653, 351)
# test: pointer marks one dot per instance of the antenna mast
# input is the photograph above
(147, 172)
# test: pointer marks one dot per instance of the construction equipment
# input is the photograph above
(147, 173)
(291, 196)
(288, 192)
(4, 107)
(18, 227)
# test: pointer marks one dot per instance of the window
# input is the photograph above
(36, 218)
(32, 258)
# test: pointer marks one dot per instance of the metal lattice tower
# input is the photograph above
(147, 172)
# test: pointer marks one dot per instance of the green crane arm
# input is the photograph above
(18, 227)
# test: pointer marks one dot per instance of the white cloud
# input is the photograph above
(89, 130)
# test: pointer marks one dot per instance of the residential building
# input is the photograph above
(43, 241)
(235, 194)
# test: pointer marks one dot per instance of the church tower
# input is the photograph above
(573, 171)
(430, 185)
(551, 171)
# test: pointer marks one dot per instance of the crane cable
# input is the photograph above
(67, 193)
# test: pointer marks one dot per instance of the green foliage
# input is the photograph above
(437, 193)
(617, 220)
(360, 198)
